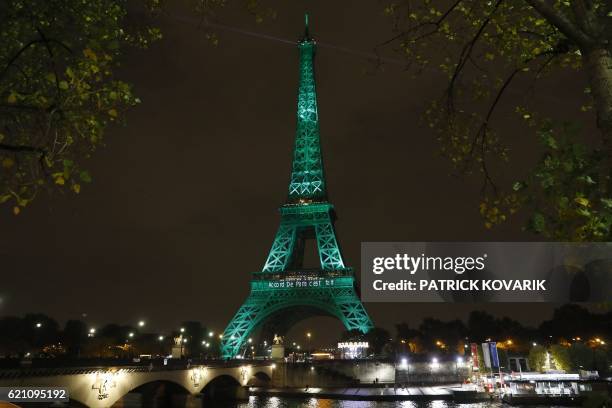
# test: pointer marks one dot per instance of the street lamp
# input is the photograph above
(39, 325)
(160, 338)
(131, 334)
(434, 363)
(141, 323)
(182, 330)
(210, 334)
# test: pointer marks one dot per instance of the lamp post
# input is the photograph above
(161, 345)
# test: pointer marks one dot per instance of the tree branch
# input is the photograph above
(417, 27)
(17, 55)
(22, 149)
(466, 54)
(562, 23)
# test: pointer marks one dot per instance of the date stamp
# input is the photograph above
(33, 394)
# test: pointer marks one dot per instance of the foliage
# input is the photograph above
(481, 326)
(22, 335)
(377, 338)
(537, 358)
(586, 358)
(570, 321)
(195, 333)
(408, 340)
(442, 336)
(561, 357)
(59, 90)
(564, 191)
(484, 48)
(581, 356)
(31, 332)
(73, 336)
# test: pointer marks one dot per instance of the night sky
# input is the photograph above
(184, 202)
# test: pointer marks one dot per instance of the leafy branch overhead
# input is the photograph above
(486, 48)
(58, 89)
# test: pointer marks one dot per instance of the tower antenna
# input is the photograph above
(306, 34)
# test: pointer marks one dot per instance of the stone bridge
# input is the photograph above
(101, 387)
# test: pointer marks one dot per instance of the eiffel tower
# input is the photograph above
(284, 292)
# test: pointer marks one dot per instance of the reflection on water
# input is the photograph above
(276, 402)
(283, 402)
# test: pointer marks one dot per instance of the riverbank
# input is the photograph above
(447, 392)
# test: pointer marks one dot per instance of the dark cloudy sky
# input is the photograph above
(184, 201)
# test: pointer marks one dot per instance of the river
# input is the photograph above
(281, 402)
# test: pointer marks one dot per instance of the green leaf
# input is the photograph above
(85, 177)
(607, 202)
(538, 222)
(582, 201)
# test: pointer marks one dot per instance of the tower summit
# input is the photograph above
(284, 292)
(307, 178)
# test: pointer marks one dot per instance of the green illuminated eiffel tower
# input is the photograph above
(284, 292)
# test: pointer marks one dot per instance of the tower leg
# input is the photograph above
(241, 325)
(329, 251)
(354, 315)
(340, 302)
(282, 249)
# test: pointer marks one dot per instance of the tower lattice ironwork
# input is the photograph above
(284, 290)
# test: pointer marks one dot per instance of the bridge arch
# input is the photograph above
(158, 393)
(106, 387)
(223, 387)
(259, 379)
(103, 387)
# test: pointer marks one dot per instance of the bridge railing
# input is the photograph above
(66, 367)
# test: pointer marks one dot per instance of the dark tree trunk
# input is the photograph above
(598, 66)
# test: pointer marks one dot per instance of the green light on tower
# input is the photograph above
(284, 291)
